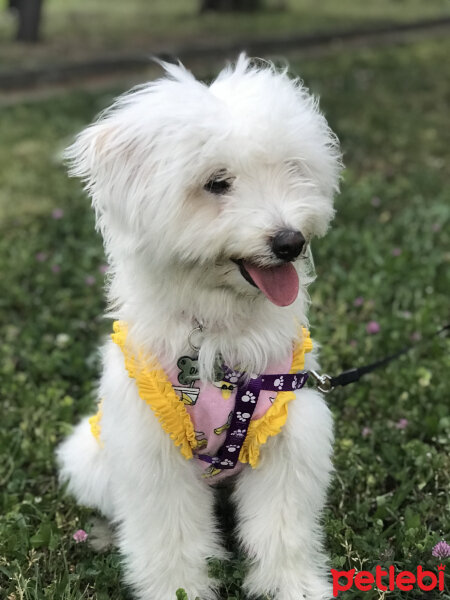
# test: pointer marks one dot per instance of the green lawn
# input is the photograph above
(385, 260)
(77, 29)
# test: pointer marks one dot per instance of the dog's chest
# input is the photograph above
(221, 424)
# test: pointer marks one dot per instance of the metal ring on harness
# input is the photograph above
(192, 346)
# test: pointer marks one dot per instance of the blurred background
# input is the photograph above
(106, 36)
(382, 73)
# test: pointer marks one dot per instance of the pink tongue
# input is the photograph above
(279, 284)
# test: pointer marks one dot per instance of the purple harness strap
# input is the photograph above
(246, 399)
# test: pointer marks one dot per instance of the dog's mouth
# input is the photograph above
(279, 284)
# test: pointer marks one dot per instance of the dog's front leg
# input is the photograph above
(165, 515)
(279, 506)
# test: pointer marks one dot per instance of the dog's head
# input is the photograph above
(228, 182)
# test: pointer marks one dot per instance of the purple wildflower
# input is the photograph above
(89, 280)
(402, 424)
(396, 251)
(80, 536)
(373, 327)
(103, 269)
(41, 256)
(56, 268)
(416, 336)
(366, 431)
(57, 214)
(441, 550)
(359, 301)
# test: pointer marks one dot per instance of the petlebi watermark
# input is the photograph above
(388, 579)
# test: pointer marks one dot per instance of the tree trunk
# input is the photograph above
(230, 5)
(29, 15)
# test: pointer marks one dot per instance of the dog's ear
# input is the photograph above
(101, 156)
(83, 157)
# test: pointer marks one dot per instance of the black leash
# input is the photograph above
(327, 383)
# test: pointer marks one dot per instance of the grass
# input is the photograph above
(389, 246)
(140, 25)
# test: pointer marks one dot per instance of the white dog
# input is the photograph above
(207, 197)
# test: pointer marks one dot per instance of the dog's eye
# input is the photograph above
(217, 187)
(218, 184)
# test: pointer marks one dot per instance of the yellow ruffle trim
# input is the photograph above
(94, 422)
(157, 391)
(273, 420)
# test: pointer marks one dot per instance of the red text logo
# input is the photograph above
(388, 579)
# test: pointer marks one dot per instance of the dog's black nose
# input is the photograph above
(288, 244)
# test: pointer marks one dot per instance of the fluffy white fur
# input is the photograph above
(170, 242)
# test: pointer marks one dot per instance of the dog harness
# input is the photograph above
(222, 424)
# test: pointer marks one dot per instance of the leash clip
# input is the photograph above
(323, 382)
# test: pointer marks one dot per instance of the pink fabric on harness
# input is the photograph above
(210, 407)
